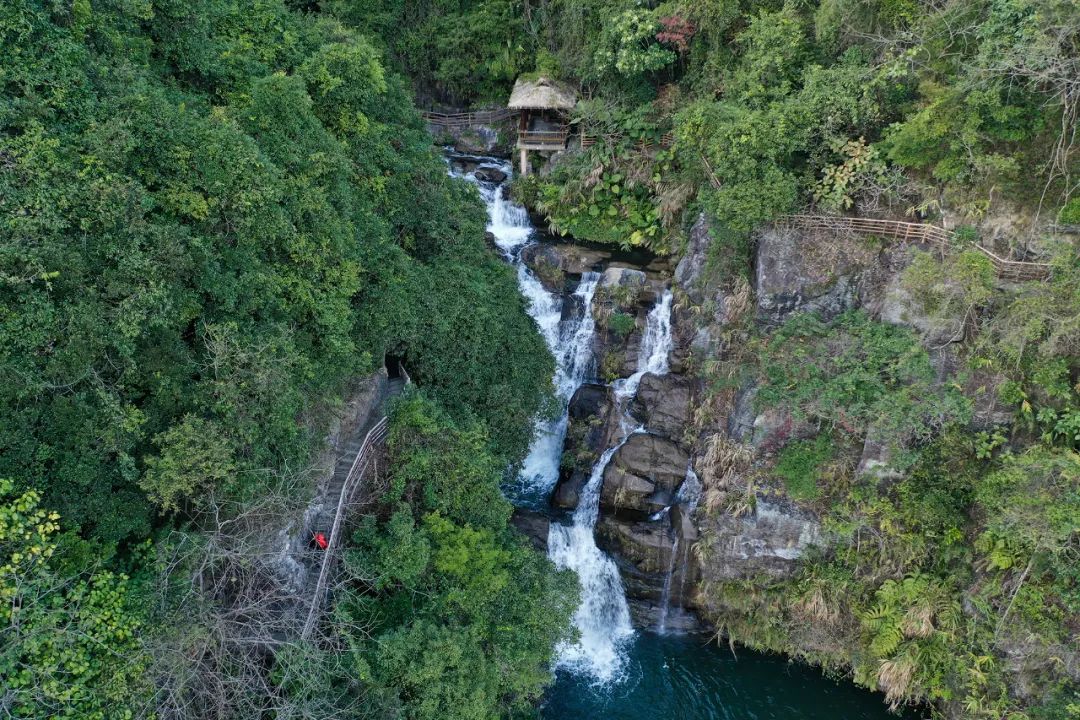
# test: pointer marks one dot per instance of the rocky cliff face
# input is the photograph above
(751, 529)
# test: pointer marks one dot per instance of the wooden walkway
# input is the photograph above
(1006, 269)
(462, 120)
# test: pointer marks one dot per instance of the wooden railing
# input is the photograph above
(365, 456)
(1006, 269)
(542, 138)
(666, 141)
(466, 119)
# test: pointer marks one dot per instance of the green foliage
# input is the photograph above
(70, 643)
(954, 288)
(857, 374)
(195, 456)
(216, 216)
(613, 205)
(627, 44)
(1034, 500)
(1070, 212)
(911, 631)
(255, 225)
(463, 51)
(798, 466)
(622, 324)
(461, 616)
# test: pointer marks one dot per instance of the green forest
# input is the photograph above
(217, 215)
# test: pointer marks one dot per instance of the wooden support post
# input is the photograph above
(524, 162)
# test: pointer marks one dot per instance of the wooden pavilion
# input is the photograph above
(542, 106)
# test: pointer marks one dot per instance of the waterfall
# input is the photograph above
(655, 347)
(603, 617)
(665, 595)
(570, 340)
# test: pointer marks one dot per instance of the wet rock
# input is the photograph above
(573, 260)
(619, 308)
(662, 405)
(533, 525)
(587, 435)
(623, 280)
(645, 553)
(642, 477)
(479, 140)
(490, 175)
(645, 546)
(546, 264)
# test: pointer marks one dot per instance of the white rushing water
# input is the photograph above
(603, 617)
(655, 348)
(570, 340)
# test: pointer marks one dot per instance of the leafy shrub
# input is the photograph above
(622, 324)
(799, 463)
(856, 374)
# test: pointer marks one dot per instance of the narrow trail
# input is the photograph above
(358, 457)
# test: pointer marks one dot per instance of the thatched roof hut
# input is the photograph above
(542, 94)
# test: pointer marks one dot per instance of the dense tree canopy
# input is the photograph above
(213, 217)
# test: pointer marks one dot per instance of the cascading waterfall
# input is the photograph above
(655, 348)
(570, 340)
(603, 617)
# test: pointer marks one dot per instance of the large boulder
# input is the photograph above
(657, 564)
(533, 525)
(662, 405)
(546, 264)
(619, 280)
(646, 547)
(643, 476)
(491, 175)
(574, 260)
(588, 432)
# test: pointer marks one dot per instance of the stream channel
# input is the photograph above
(615, 670)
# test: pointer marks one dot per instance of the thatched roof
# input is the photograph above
(541, 94)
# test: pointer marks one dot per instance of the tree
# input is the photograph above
(70, 644)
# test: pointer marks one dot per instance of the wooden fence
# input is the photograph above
(365, 458)
(1006, 269)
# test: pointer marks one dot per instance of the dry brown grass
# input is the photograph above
(724, 475)
(894, 679)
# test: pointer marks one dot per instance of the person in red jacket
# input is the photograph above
(320, 540)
